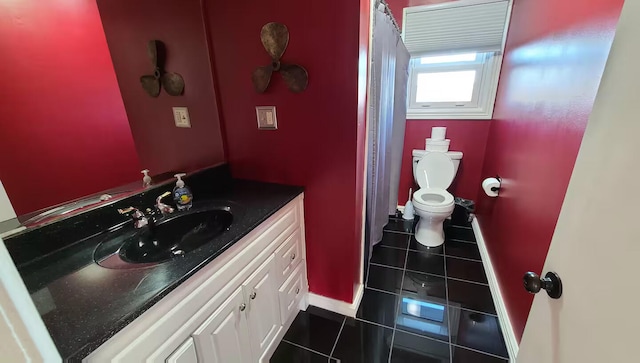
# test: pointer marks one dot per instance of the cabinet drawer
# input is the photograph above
(289, 255)
(290, 293)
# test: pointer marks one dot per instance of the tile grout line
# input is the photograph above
(305, 348)
(429, 252)
(400, 219)
(421, 336)
(394, 247)
(383, 291)
(372, 323)
(387, 266)
(399, 304)
(469, 281)
(398, 232)
(426, 273)
(393, 338)
(444, 277)
(423, 273)
(480, 351)
(463, 258)
(473, 311)
(460, 227)
(446, 292)
(463, 241)
(344, 320)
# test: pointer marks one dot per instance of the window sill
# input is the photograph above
(447, 116)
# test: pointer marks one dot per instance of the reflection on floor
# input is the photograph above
(420, 305)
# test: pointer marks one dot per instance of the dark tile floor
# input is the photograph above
(420, 304)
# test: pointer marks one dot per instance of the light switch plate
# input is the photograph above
(266, 116)
(181, 117)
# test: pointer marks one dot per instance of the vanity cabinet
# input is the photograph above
(235, 309)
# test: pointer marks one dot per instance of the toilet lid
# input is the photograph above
(435, 170)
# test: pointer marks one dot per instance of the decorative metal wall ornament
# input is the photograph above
(173, 83)
(275, 38)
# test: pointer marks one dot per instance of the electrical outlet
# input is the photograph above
(181, 117)
(266, 116)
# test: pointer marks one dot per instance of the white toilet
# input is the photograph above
(433, 171)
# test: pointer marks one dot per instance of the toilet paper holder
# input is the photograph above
(497, 189)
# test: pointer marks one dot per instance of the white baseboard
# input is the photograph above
(338, 306)
(503, 316)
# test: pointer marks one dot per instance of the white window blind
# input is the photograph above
(455, 27)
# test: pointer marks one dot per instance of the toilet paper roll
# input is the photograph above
(438, 133)
(437, 145)
(489, 183)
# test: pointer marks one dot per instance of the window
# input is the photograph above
(452, 86)
(456, 52)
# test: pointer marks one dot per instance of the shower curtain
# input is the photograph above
(387, 119)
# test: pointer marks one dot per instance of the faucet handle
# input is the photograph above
(134, 212)
(162, 207)
(139, 219)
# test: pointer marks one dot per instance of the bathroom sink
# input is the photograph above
(169, 238)
(176, 236)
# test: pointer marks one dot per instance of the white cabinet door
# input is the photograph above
(186, 353)
(264, 309)
(224, 336)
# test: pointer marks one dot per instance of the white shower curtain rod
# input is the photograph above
(387, 10)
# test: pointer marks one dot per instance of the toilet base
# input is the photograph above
(430, 230)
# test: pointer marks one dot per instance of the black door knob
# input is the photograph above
(551, 283)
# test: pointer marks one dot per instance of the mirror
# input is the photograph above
(77, 123)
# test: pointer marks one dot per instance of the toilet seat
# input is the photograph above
(433, 200)
(435, 172)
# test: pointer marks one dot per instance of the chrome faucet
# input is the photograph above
(163, 208)
(141, 219)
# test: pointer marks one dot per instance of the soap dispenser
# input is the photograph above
(181, 194)
(146, 179)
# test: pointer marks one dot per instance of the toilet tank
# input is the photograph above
(455, 156)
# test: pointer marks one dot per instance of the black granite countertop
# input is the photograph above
(83, 304)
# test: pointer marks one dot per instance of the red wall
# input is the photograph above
(554, 59)
(316, 141)
(162, 147)
(64, 132)
(468, 136)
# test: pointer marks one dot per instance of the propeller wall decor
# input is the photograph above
(173, 83)
(275, 38)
